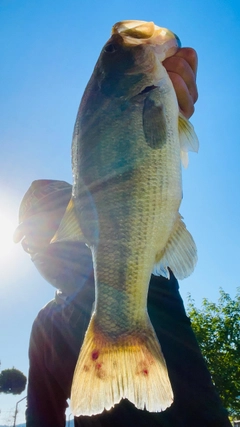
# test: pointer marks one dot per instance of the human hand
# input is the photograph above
(182, 70)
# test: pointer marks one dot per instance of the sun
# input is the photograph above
(7, 227)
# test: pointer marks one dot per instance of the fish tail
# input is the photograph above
(109, 370)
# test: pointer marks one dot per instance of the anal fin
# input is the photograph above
(180, 254)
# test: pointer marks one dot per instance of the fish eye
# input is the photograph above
(111, 48)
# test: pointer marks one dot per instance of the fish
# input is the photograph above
(128, 144)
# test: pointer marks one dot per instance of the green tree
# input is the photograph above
(217, 328)
(12, 381)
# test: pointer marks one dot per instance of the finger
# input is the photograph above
(185, 100)
(178, 65)
(190, 56)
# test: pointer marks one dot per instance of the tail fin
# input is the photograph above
(107, 371)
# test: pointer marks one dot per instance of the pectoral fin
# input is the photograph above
(154, 122)
(188, 139)
(69, 229)
(180, 254)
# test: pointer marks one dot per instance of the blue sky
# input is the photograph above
(48, 51)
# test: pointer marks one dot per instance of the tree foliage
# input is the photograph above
(12, 381)
(217, 328)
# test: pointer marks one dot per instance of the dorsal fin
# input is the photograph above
(187, 137)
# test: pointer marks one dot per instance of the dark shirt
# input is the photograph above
(56, 339)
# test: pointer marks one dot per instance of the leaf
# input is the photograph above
(217, 328)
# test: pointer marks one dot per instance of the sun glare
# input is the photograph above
(7, 228)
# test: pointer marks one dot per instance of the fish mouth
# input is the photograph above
(132, 32)
(134, 29)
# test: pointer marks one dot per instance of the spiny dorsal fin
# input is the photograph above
(187, 137)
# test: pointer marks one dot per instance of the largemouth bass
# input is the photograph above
(128, 142)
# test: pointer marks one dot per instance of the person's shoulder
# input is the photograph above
(46, 312)
(51, 305)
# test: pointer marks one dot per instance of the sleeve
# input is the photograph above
(46, 400)
(195, 398)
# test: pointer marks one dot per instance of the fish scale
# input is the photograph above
(140, 243)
